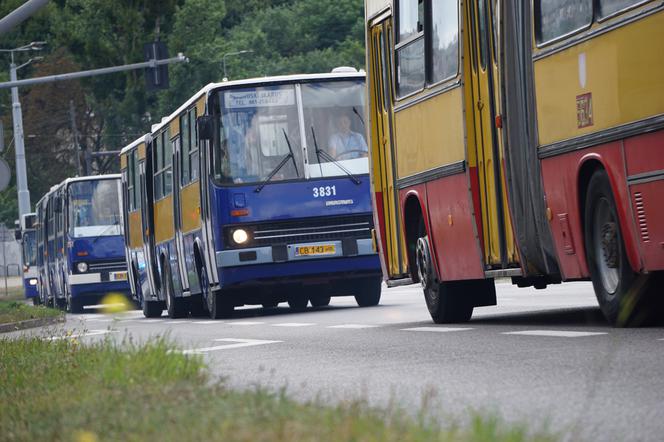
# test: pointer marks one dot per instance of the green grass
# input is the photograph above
(15, 311)
(13, 293)
(62, 390)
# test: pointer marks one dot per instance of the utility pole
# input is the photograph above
(77, 147)
(19, 146)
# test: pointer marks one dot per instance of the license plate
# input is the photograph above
(324, 249)
(119, 276)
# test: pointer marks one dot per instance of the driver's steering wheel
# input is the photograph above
(363, 153)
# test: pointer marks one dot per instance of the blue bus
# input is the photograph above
(80, 246)
(27, 238)
(253, 192)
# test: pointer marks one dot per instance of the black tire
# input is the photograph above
(220, 305)
(61, 303)
(320, 300)
(197, 306)
(445, 303)
(152, 309)
(74, 305)
(36, 301)
(176, 307)
(369, 292)
(625, 298)
(298, 302)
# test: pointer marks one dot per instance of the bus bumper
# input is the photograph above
(98, 289)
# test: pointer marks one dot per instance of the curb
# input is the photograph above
(30, 323)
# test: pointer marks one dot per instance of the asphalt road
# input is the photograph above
(543, 358)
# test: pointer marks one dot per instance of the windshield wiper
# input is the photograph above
(289, 156)
(358, 115)
(103, 232)
(320, 152)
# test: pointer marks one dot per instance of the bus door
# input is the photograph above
(388, 219)
(499, 249)
(177, 211)
(147, 217)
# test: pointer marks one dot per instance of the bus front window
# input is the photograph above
(334, 113)
(94, 209)
(29, 247)
(257, 126)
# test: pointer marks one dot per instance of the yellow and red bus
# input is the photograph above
(522, 140)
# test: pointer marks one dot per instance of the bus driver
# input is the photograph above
(346, 144)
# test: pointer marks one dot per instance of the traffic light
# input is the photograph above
(156, 78)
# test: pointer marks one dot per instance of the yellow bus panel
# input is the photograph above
(164, 228)
(174, 127)
(200, 106)
(135, 230)
(612, 79)
(141, 151)
(430, 134)
(190, 203)
(123, 161)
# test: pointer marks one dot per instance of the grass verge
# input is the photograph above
(61, 390)
(16, 311)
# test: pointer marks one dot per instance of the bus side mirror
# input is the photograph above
(205, 127)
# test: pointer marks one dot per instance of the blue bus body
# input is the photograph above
(281, 206)
(80, 246)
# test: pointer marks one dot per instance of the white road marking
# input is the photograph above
(207, 322)
(246, 323)
(555, 333)
(293, 324)
(82, 335)
(151, 320)
(353, 326)
(100, 320)
(175, 322)
(236, 343)
(437, 329)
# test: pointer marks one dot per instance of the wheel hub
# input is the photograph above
(610, 244)
(423, 262)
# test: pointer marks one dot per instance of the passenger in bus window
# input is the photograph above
(346, 144)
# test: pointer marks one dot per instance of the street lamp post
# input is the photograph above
(19, 146)
(228, 54)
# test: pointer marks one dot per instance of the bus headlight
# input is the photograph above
(240, 236)
(33, 281)
(82, 267)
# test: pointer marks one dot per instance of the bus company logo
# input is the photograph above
(339, 203)
(584, 110)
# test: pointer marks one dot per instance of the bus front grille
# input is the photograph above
(107, 266)
(302, 231)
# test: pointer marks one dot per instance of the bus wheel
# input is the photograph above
(320, 301)
(74, 305)
(220, 305)
(152, 309)
(175, 306)
(36, 301)
(369, 292)
(624, 297)
(444, 303)
(298, 302)
(197, 306)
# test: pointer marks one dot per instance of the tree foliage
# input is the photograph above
(285, 37)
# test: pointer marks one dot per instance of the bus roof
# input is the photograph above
(90, 178)
(252, 81)
(136, 142)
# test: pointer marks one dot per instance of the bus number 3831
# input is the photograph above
(322, 191)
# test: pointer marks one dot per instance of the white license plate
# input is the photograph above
(118, 276)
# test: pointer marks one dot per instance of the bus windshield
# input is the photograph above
(257, 126)
(94, 208)
(334, 112)
(261, 126)
(29, 247)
